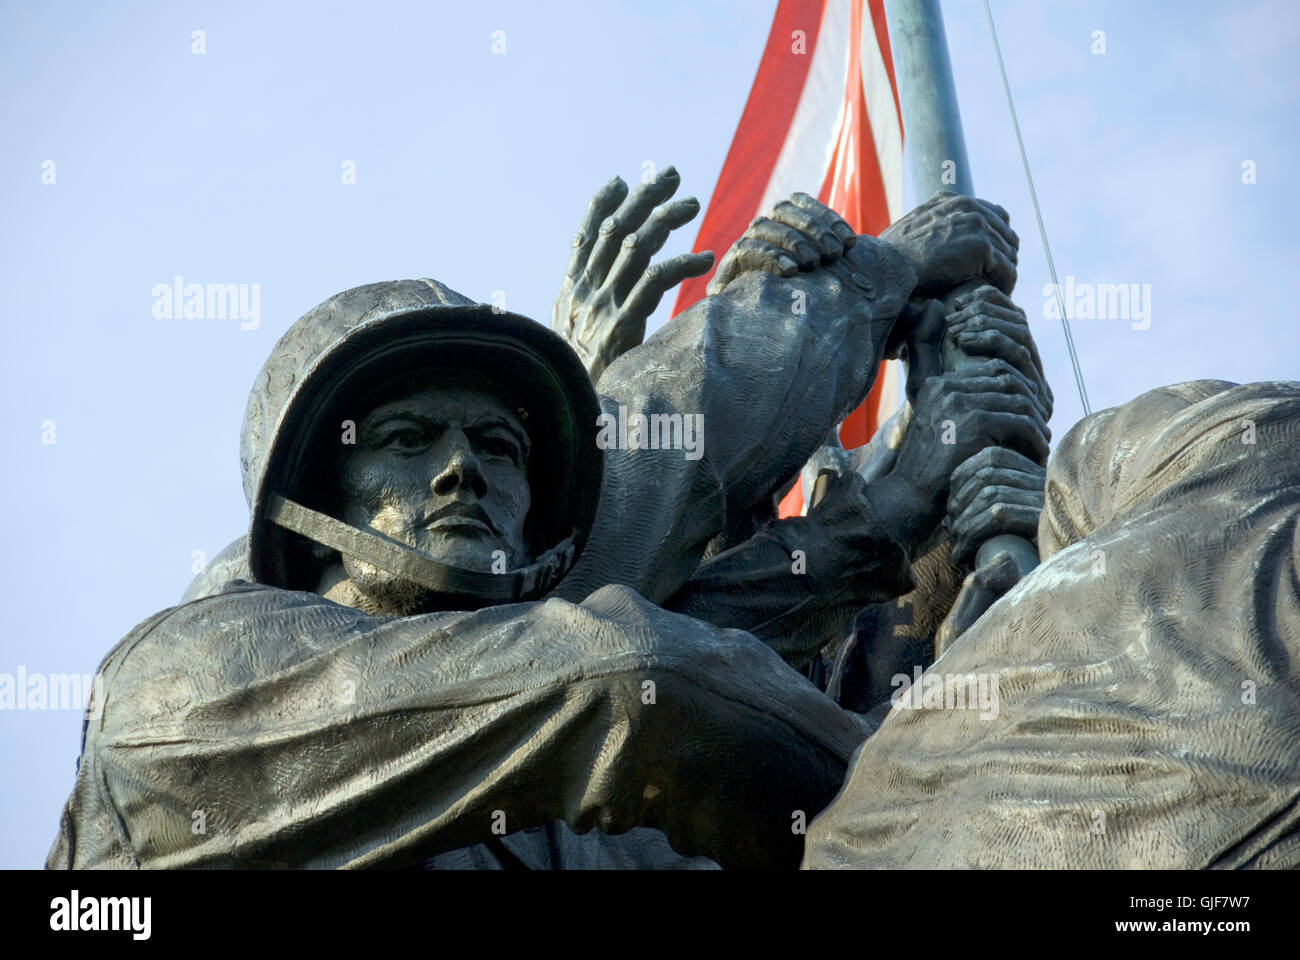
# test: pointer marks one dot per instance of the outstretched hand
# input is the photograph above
(610, 288)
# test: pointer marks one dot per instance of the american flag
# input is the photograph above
(822, 115)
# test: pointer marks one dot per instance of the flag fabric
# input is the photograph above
(822, 116)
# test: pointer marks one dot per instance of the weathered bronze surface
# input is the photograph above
(481, 619)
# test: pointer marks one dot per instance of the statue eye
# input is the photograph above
(500, 447)
(405, 439)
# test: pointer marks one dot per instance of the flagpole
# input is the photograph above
(928, 98)
(937, 149)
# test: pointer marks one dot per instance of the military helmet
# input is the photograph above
(382, 333)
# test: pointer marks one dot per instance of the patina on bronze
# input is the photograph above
(262, 723)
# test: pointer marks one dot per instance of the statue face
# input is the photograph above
(443, 470)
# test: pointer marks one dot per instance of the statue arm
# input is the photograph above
(766, 367)
(798, 584)
(263, 727)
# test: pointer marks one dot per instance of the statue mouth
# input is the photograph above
(460, 517)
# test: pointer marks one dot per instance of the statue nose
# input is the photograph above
(462, 471)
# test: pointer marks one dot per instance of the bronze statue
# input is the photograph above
(1146, 670)
(466, 630)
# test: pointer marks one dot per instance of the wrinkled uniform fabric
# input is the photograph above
(794, 607)
(894, 637)
(228, 703)
(772, 363)
(1149, 694)
(318, 736)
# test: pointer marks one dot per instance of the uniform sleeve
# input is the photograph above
(765, 369)
(262, 727)
(794, 587)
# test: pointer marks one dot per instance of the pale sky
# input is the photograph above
(475, 168)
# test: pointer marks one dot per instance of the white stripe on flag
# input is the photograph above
(883, 115)
(810, 141)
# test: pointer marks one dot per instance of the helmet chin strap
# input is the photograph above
(401, 560)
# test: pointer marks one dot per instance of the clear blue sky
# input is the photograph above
(474, 168)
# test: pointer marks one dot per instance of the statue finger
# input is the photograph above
(988, 294)
(632, 212)
(609, 240)
(1020, 402)
(839, 226)
(945, 200)
(750, 255)
(997, 258)
(991, 464)
(1000, 268)
(999, 220)
(983, 253)
(996, 209)
(813, 229)
(999, 420)
(987, 301)
(993, 504)
(991, 467)
(995, 343)
(647, 196)
(995, 376)
(997, 313)
(973, 217)
(987, 308)
(661, 277)
(978, 463)
(786, 239)
(979, 591)
(985, 501)
(637, 248)
(980, 374)
(972, 530)
(604, 203)
(1026, 433)
(979, 225)
(1006, 322)
(666, 218)
(980, 417)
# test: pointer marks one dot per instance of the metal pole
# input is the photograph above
(932, 129)
(933, 136)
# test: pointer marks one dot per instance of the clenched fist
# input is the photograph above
(951, 238)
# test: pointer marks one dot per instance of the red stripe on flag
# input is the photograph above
(759, 137)
(855, 189)
(854, 183)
